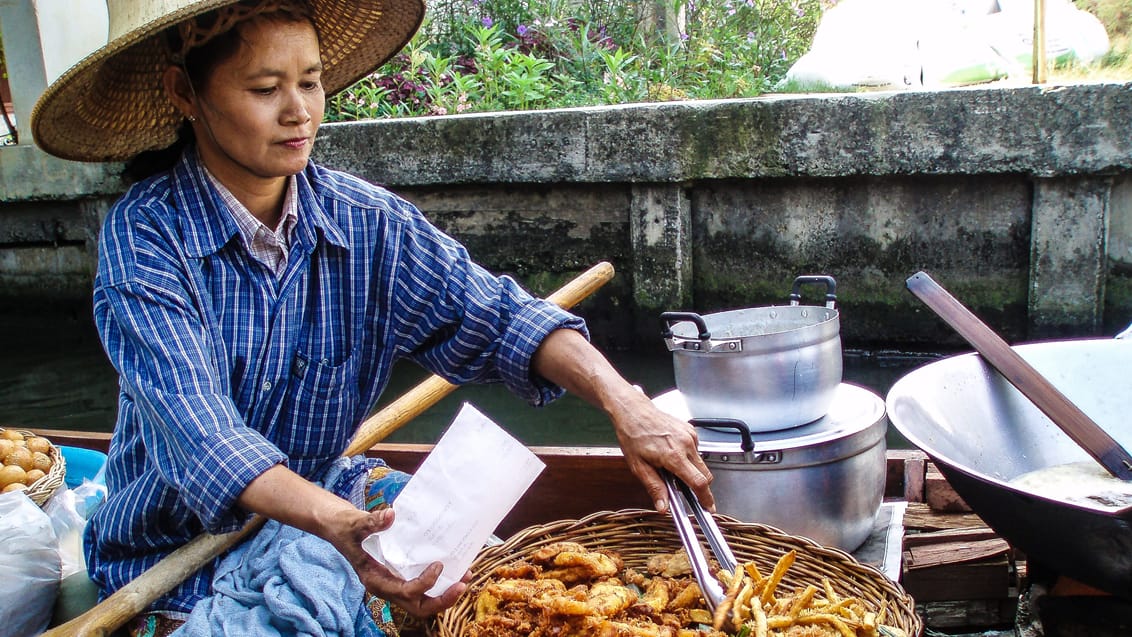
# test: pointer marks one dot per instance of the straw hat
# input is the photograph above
(111, 105)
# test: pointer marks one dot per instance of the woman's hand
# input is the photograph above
(652, 440)
(283, 495)
(379, 580)
(649, 438)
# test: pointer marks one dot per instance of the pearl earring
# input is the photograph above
(192, 118)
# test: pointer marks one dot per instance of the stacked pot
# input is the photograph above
(789, 444)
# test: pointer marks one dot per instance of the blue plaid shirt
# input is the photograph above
(226, 370)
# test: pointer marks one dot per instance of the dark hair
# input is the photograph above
(198, 64)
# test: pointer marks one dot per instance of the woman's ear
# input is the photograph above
(180, 91)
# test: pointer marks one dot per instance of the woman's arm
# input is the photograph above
(649, 438)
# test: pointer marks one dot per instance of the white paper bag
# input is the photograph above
(451, 505)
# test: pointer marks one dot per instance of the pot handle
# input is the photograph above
(830, 288)
(668, 318)
(728, 423)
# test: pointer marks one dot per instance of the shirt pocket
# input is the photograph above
(321, 407)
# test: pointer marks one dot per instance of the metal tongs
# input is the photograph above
(681, 498)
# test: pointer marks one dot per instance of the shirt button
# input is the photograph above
(266, 385)
(300, 363)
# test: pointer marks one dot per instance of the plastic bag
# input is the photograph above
(30, 567)
(68, 523)
(89, 495)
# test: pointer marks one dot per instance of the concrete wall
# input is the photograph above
(1019, 201)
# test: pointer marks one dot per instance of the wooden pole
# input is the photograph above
(1039, 42)
(133, 598)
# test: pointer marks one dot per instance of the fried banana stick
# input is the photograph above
(761, 627)
(803, 600)
(833, 620)
(724, 607)
(780, 568)
(742, 603)
(830, 594)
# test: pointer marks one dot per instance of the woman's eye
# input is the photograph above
(311, 85)
(266, 90)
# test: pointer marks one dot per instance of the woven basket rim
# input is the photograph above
(636, 528)
(41, 490)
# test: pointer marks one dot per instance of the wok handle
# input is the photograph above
(1074, 422)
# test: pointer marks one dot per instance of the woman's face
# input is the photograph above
(259, 110)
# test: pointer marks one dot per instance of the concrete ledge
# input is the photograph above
(29, 174)
(1041, 131)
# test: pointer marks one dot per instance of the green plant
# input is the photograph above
(485, 55)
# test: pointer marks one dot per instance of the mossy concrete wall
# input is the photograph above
(1017, 200)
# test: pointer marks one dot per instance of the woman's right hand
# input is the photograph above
(281, 494)
(379, 580)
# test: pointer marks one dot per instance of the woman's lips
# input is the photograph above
(297, 143)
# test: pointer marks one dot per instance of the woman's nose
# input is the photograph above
(296, 110)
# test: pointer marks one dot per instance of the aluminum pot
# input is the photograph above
(983, 433)
(823, 480)
(769, 367)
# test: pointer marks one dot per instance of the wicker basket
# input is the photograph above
(41, 490)
(638, 534)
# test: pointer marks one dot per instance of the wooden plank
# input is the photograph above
(896, 472)
(988, 579)
(914, 479)
(970, 614)
(920, 516)
(70, 438)
(940, 495)
(949, 535)
(955, 552)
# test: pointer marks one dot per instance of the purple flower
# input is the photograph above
(522, 30)
(487, 21)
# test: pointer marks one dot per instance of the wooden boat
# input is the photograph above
(960, 573)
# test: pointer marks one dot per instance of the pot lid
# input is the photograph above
(856, 417)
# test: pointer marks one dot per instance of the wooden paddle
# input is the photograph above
(1074, 422)
(135, 597)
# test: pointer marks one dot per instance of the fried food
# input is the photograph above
(572, 566)
(565, 590)
(609, 597)
(670, 564)
(755, 606)
(548, 552)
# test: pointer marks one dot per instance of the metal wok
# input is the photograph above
(982, 433)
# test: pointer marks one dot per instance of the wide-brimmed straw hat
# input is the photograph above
(112, 105)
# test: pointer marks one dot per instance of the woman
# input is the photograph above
(253, 302)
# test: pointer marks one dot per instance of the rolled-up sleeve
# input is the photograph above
(466, 324)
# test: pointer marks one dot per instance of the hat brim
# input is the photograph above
(111, 105)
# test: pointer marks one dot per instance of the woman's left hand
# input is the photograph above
(652, 440)
(649, 438)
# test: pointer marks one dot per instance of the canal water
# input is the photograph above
(54, 375)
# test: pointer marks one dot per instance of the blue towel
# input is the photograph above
(285, 582)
